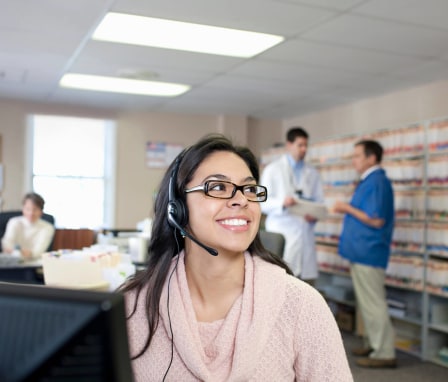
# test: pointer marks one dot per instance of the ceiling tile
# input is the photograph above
(106, 99)
(49, 15)
(272, 88)
(9, 74)
(380, 35)
(336, 51)
(295, 73)
(254, 15)
(430, 13)
(117, 57)
(339, 57)
(428, 72)
(330, 4)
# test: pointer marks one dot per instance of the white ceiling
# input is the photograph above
(335, 52)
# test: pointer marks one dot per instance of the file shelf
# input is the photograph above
(416, 160)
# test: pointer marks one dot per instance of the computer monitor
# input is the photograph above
(62, 335)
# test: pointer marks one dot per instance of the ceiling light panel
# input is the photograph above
(161, 33)
(122, 85)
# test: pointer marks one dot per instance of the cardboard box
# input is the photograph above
(439, 313)
(345, 319)
(359, 324)
(86, 269)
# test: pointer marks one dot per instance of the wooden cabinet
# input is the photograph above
(73, 238)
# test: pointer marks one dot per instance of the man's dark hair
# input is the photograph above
(36, 199)
(371, 148)
(296, 132)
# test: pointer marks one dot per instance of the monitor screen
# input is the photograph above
(51, 334)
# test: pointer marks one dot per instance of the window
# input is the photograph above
(72, 166)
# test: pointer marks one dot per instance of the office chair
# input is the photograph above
(6, 215)
(274, 242)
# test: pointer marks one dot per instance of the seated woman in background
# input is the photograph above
(213, 304)
(28, 234)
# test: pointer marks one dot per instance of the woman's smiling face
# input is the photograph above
(228, 225)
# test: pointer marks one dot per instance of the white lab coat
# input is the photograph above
(300, 250)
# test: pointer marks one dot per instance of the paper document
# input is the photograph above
(307, 207)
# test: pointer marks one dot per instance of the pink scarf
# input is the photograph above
(240, 338)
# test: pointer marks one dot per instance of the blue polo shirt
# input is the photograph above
(360, 243)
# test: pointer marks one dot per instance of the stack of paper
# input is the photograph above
(307, 207)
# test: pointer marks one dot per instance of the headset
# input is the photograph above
(177, 216)
(177, 212)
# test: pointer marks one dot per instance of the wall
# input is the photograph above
(387, 111)
(135, 182)
(13, 158)
(262, 134)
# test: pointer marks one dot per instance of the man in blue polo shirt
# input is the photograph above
(365, 241)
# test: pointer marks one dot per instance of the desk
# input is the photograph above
(25, 273)
(116, 231)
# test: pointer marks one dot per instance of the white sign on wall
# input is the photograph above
(161, 154)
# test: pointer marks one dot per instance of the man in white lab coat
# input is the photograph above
(287, 179)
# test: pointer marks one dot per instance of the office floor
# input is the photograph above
(410, 369)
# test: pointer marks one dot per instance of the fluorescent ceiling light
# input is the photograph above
(122, 85)
(161, 33)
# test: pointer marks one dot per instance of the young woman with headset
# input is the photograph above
(213, 304)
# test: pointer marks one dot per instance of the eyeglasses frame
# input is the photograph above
(204, 188)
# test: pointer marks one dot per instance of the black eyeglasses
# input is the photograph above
(221, 189)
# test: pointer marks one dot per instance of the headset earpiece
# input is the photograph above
(176, 210)
(177, 214)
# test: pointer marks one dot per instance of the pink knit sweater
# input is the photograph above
(280, 329)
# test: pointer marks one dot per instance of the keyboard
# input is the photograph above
(7, 260)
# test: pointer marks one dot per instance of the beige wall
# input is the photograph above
(135, 182)
(262, 134)
(13, 153)
(392, 110)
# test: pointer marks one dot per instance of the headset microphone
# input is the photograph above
(174, 223)
(177, 211)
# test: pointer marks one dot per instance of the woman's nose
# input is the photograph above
(239, 198)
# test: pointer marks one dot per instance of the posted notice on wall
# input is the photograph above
(161, 154)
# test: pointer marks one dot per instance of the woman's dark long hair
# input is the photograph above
(163, 245)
